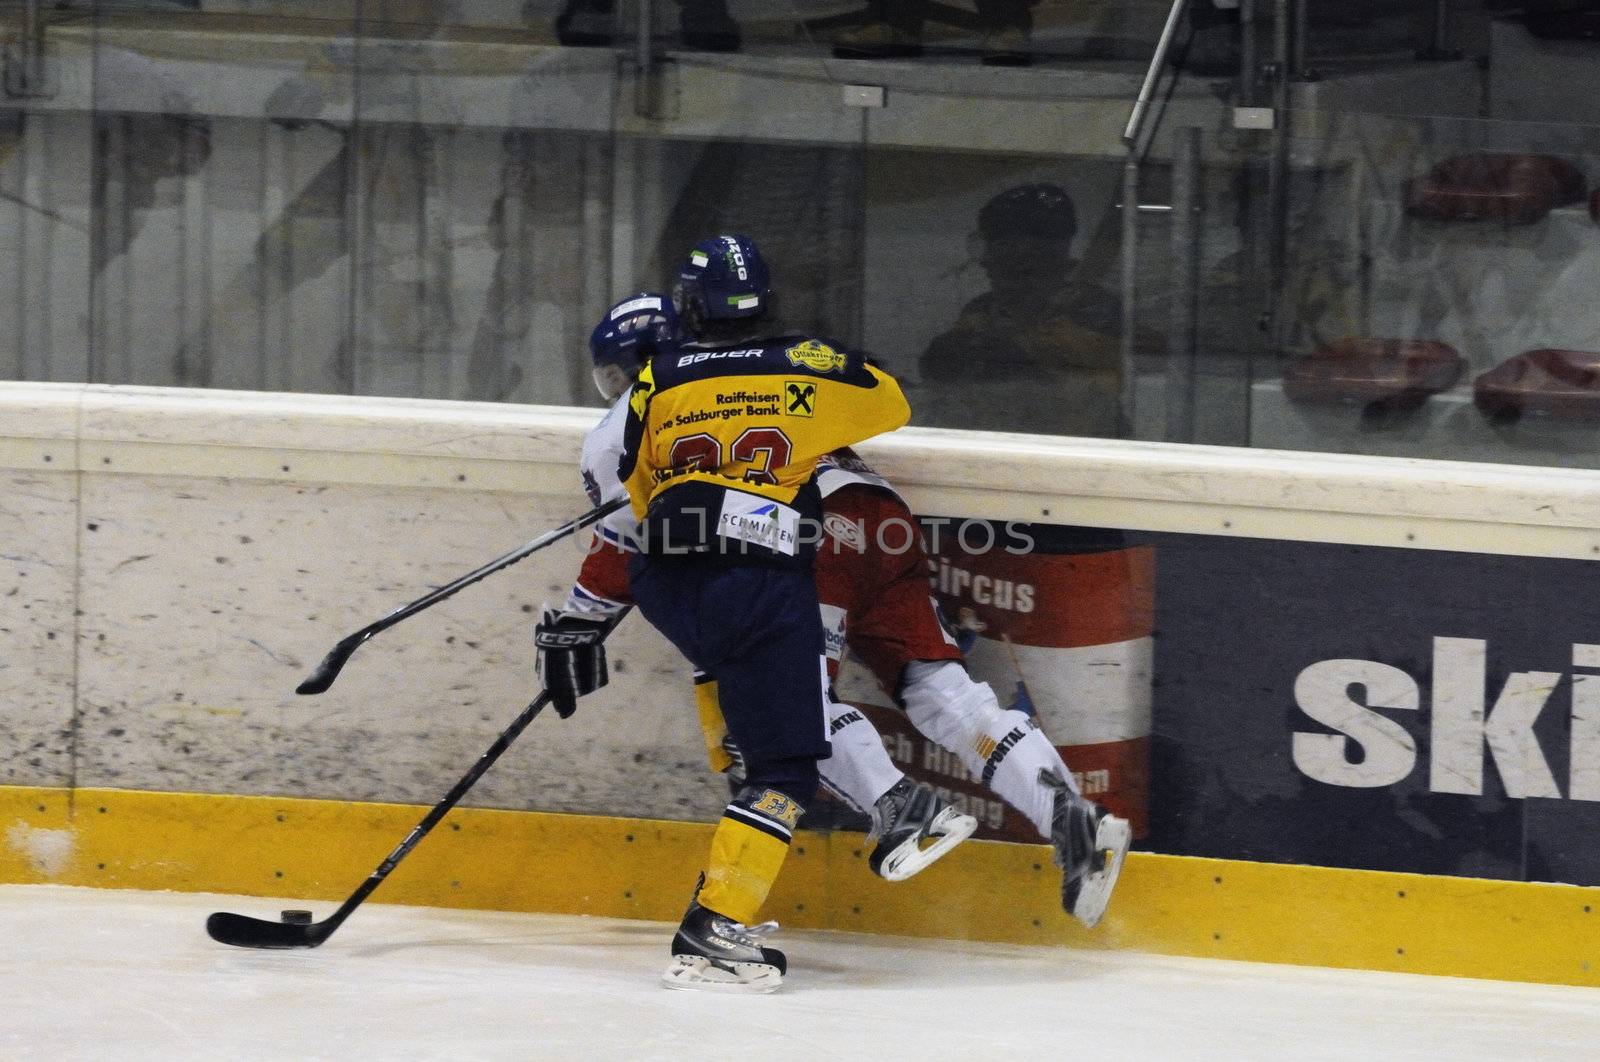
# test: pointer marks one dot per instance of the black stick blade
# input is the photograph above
(243, 931)
(322, 678)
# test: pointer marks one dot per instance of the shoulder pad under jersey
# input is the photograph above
(842, 468)
(795, 355)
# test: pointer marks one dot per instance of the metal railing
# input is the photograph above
(1132, 132)
(1144, 121)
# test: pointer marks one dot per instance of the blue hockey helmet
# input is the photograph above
(631, 333)
(724, 279)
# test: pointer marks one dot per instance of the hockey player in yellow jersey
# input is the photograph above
(721, 446)
(724, 440)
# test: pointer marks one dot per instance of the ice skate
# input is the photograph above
(1090, 845)
(906, 816)
(711, 953)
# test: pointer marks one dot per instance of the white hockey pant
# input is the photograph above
(859, 770)
(1003, 748)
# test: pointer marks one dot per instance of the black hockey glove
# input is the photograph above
(572, 657)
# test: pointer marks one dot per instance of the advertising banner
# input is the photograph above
(1349, 706)
(1058, 622)
(1377, 708)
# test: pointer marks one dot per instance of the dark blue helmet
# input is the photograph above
(724, 279)
(631, 333)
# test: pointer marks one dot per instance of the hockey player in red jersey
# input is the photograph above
(872, 583)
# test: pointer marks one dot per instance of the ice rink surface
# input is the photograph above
(114, 975)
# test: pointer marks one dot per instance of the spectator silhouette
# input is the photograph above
(1041, 350)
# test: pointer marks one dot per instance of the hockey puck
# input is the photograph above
(297, 918)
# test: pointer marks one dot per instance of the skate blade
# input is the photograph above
(1112, 838)
(693, 973)
(948, 828)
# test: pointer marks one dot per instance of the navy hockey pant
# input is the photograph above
(756, 630)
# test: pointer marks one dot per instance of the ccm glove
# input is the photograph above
(572, 657)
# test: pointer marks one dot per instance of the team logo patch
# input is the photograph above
(849, 534)
(799, 398)
(816, 356)
(778, 807)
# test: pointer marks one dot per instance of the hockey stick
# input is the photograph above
(242, 931)
(327, 671)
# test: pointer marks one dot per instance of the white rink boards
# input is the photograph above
(102, 974)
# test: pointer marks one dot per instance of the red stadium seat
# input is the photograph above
(1564, 384)
(1396, 372)
(1519, 189)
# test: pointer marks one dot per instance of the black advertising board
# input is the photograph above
(1376, 708)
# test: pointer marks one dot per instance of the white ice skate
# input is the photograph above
(905, 817)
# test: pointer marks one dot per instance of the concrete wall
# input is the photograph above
(173, 562)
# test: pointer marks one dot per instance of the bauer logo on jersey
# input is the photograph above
(778, 807)
(816, 356)
(800, 398)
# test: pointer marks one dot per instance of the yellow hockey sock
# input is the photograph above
(747, 852)
(712, 724)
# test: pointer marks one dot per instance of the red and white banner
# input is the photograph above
(1060, 633)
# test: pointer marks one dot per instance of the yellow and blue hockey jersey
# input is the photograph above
(721, 443)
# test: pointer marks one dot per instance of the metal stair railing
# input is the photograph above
(1144, 119)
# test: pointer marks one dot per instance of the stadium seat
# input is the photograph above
(1398, 373)
(1519, 189)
